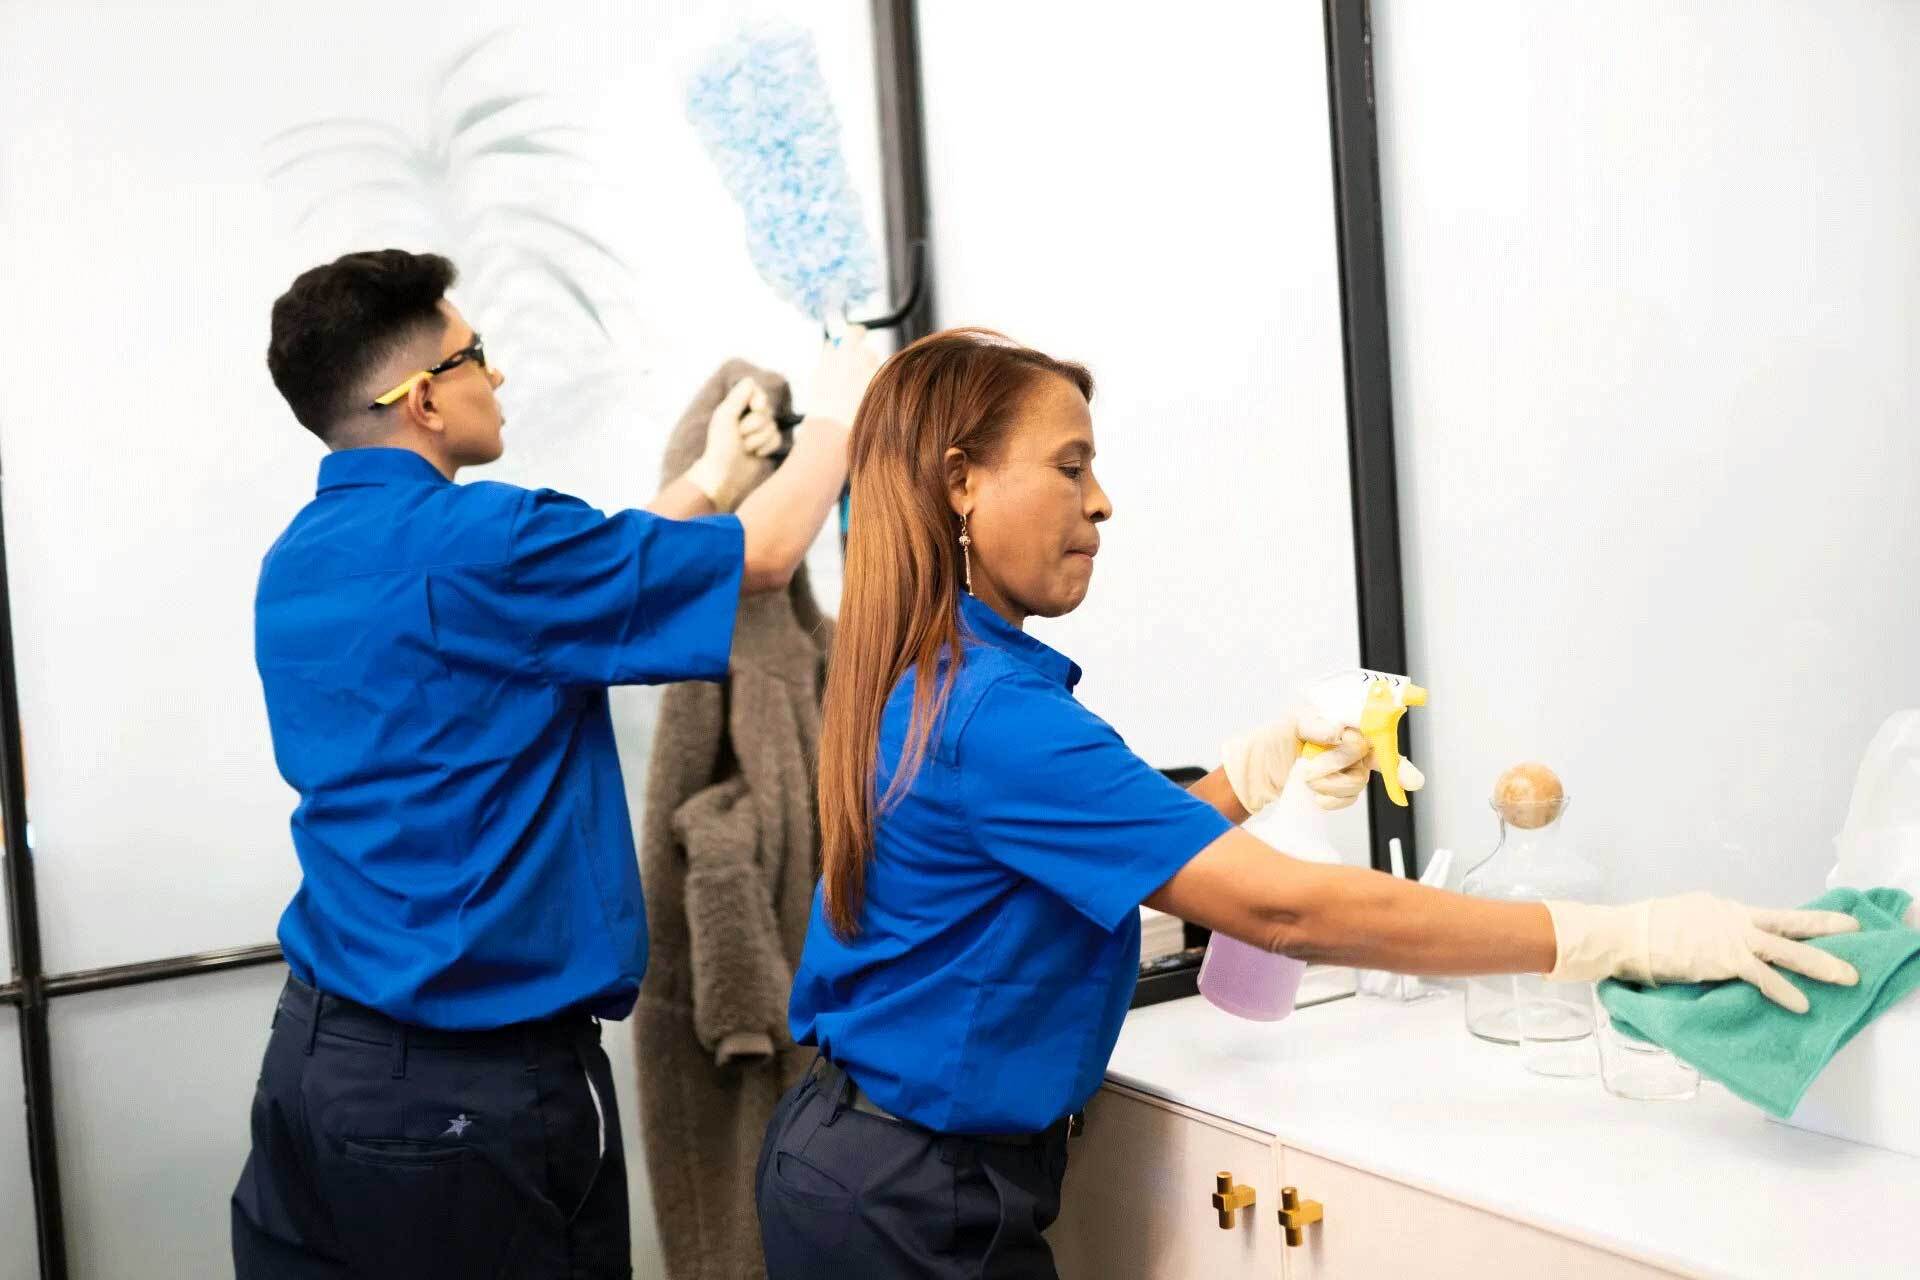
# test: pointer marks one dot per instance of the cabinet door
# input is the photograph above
(1138, 1198)
(1376, 1229)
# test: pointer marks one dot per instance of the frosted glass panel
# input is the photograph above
(175, 1063)
(1155, 198)
(1655, 299)
(153, 1089)
(152, 204)
(19, 1254)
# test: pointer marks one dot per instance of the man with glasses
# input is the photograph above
(434, 1100)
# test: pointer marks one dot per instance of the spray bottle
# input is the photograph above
(1260, 985)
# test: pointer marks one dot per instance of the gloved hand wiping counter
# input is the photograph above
(1697, 937)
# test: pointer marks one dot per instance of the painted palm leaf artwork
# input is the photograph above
(485, 179)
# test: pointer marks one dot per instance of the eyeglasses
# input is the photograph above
(475, 351)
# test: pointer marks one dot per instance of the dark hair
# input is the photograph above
(899, 611)
(338, 322)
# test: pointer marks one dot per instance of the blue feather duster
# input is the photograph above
(763, 112)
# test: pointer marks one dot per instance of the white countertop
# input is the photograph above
(1708, 1187)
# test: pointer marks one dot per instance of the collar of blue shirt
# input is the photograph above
(984, 626)
(350, 468)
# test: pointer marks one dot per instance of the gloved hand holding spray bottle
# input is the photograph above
(1246, 980)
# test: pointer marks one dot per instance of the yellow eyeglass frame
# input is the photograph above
(475, 351)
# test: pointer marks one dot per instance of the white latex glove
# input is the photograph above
(840, 379)
(740, 433)
(1697, 938)
(1258, 764)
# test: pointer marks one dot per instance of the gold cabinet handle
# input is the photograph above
(1296, 1215)
(1227, 1198)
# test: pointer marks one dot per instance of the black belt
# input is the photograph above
(833, 1079)
(342, 1017)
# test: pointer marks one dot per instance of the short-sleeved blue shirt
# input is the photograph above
(1000, 937)
(435, 659)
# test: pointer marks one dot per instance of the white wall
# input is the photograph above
(1151, 193)
(149, 461)
(1655, 310)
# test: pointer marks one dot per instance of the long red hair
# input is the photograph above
(899, 607)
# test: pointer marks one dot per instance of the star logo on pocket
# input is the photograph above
(457, 1127)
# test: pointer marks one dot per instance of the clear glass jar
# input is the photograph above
(1533, 861)
(1556, 1027)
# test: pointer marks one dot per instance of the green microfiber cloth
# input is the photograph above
(1729, 1032)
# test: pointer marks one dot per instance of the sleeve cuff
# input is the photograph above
(700, 627)
(1130, 884)
(743, 1044)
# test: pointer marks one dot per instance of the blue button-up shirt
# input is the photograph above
(1000, 936)
(436, 659)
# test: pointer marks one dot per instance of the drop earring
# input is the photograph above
(966, 553)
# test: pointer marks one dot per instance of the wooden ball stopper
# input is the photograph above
(1529, 795)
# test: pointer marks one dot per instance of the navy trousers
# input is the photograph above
(384, 1151)
(843, 1193)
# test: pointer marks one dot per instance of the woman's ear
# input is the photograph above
(959, 482)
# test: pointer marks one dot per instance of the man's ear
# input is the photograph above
(959, 481)
(418, 407)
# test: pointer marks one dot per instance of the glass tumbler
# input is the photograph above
(1636, 1070)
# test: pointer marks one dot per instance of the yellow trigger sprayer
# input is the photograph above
(1383, 699)
(1259, 985)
